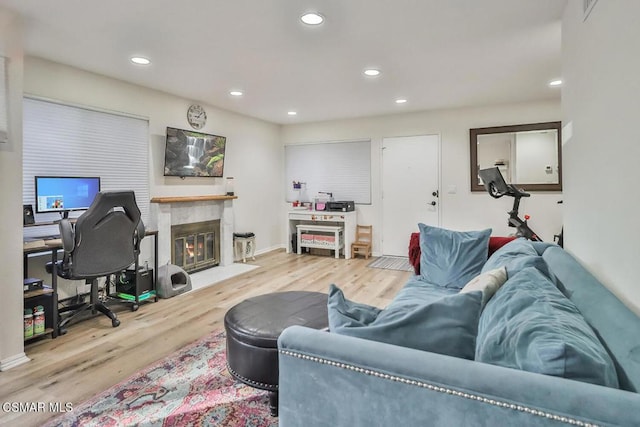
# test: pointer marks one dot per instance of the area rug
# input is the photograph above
(391, 263)
(191, 387)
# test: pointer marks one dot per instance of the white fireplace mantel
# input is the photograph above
(168, 211)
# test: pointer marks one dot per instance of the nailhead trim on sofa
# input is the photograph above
(531, 411)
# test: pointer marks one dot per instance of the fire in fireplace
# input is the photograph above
(196, 246)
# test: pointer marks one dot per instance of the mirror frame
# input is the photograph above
(473, 145)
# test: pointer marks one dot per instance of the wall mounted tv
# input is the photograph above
(189, 153)
(65, 193)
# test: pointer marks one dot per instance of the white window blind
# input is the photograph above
(63, 140)
(4, 134)
(341, 168)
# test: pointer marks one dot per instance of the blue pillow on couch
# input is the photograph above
(518, 255)
(445, 325)
(452, 258)
(510, 252)
(530, 325)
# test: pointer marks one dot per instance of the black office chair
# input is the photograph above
(104, 240)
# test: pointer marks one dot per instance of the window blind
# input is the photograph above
(342, 168)
(4, 134)
(64, 140)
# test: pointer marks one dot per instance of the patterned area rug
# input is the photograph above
(391, 263)
(191, 387)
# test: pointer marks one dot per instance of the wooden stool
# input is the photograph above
(364, 240)
(246, 244)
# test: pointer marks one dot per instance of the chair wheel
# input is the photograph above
(135, 307)
(115, 323)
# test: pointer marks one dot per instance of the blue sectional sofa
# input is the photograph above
(551, 347)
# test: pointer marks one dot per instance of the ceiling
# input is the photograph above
(434, 53)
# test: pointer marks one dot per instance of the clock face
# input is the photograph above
(196, 116)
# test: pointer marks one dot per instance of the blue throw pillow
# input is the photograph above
(452, 258)
(446, 325)
(518, 255)
(530, 325)
(512, 250)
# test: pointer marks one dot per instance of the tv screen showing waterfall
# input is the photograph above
(191, 153)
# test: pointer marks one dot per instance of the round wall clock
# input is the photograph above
(196, 116)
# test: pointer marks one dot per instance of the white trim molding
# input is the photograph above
(13, 361)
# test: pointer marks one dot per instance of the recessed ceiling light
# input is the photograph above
(235, 93)
(140, 60)
(555, 82)
(292, 113)
(312, 18)
(372, 72)
(401, 101)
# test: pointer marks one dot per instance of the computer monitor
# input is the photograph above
(65, 193)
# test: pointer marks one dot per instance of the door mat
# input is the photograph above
(392, 263)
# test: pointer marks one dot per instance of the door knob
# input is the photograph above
(432, 203)
(435, 194)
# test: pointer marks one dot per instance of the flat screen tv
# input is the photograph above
(191, 153)
(65, 193)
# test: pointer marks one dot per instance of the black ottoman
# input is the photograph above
(253, 327)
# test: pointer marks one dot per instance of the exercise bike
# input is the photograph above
(496, 186)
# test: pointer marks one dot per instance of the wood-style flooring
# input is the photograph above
(93, 356)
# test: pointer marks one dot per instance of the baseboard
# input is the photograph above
(13, 361)
(272, 248)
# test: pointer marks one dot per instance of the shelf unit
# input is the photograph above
(48, 295)
(45, 298)
(320, 231)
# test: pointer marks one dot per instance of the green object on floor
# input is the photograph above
(142, 297)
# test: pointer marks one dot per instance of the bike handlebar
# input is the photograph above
(512, 191)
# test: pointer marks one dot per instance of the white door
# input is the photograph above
(410, 189)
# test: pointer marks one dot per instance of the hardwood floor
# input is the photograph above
(93, 356)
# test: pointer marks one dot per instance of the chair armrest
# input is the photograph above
(67, 236)
(138, 236)
(329, 379)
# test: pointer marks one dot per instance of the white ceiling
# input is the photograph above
(435, 53)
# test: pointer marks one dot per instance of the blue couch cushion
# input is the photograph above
(530, 325)
(519, 254)
(508, 253)
(452, 258)
(445, 324)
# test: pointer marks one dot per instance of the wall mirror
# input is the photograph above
(529, 155)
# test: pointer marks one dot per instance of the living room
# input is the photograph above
(599, 99)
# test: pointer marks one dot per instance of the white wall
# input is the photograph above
(463, 210)
(496, 146)
(252, 157)
(601, 100)
(11, 303)
(534, 152)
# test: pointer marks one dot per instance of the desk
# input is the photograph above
(53, 249)
(348, 220)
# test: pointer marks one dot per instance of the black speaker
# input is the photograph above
(27, 215)
(126, 281)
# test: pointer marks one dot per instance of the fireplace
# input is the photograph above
(196, 246)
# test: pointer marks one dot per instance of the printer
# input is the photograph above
(344, 206)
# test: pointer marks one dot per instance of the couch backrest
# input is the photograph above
(616, 326)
